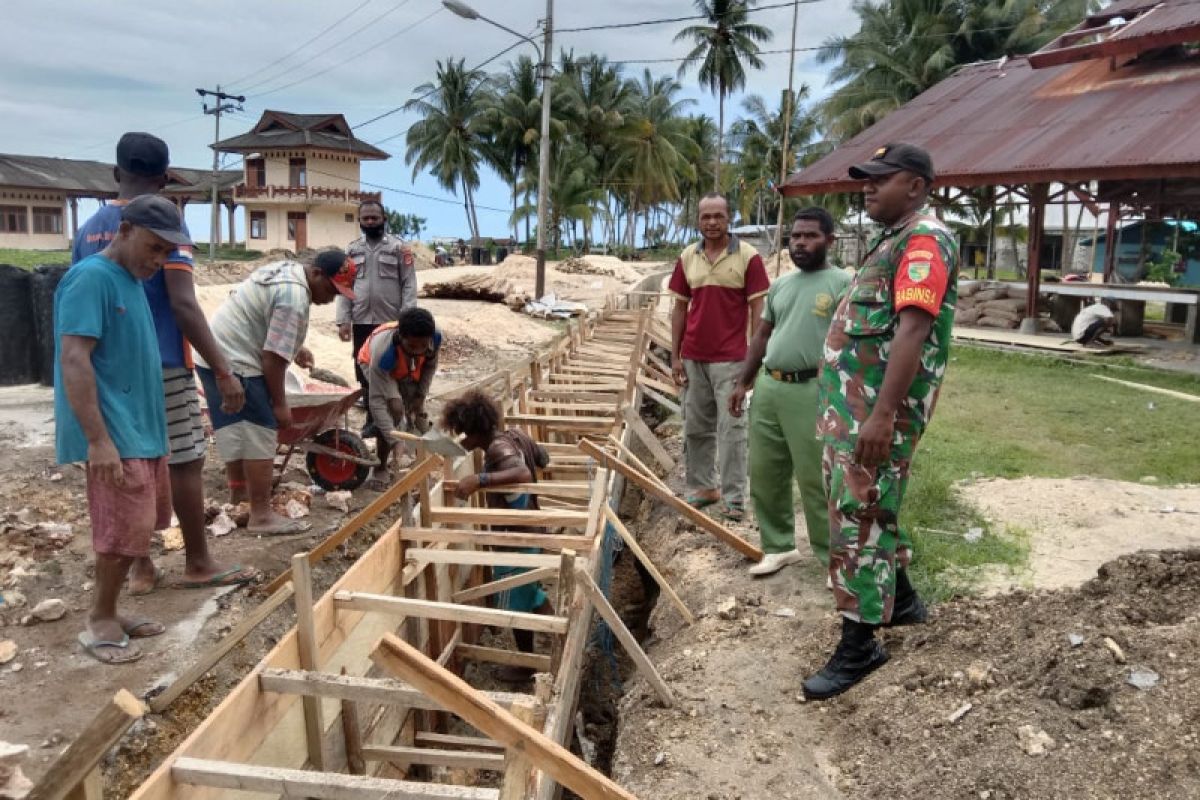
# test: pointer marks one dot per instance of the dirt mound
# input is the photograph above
(598, 265)
(423, 254)
(218, 272)
(1053, 713)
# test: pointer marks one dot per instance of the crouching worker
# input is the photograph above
(261, 328)
(510, 457)
(399, 359)
(109, 410)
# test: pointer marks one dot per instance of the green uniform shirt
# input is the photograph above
(913, 264)
(799, 307)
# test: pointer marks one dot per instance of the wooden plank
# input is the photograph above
(381, 691)
(454, 759)
(627, 640)
(323, 785)
(79, 760)
(352, 731)
(578, 489)
(1192, 398)
(212, 655)
(504, 584)
(587, 397)
(428, 609)
(364, 517)
(662, 400)
(310, 657)
(669, 389)
(703, 521)
(517, 766)
(444, 740)
(637, 550)
(494, 655)
(448, 515)
(646, 436)
(92, 787)
(566, 591)
(404, 660)
(566, 423)
(550, 541)
(497, 558)
(631, 458)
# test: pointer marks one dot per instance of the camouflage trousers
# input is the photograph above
(865, 543)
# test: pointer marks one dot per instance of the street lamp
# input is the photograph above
(547, 72)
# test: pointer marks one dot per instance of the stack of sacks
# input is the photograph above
(990, 305)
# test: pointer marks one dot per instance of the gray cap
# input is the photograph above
(157, 215)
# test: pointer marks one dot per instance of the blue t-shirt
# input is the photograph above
(99, 299)
(96, 234)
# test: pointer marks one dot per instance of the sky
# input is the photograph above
(79, 74)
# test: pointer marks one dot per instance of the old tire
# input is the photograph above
(335, 474)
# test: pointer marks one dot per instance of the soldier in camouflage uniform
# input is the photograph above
(885, 356)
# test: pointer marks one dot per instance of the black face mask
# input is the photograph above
(372, 231)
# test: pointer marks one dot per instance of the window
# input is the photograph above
(47, 220)
(256, 173)
(297, 172)
(14, 219)
(258, 224)
(349, 218)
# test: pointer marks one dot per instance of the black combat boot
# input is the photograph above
(856, 656)
(907, 609)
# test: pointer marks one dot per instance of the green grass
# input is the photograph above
(28, 259)
(1009, 415)
(228, 252)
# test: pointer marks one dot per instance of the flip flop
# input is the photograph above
(121, 652)
(699, 501)
(735, 512)
(159, 574)
(283, 529)
(234, 576)
(138, 624)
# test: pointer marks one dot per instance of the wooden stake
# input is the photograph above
(503, 584)
(310, 656)
(566, 591)
(647, 438)
(454, 694)
(78, 761)
(210, 657)
(353, 733)
(637, 550)
(702, 520)
(627, 640)
(517, 766)
(632, 459)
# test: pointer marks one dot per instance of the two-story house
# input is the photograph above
(301, 187)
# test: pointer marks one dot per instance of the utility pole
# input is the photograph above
(544, 152)
(787, 131)
(220, 107)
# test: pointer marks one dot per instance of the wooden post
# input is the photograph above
(517, 766)
(454, 694)
(353, 733)
(79, 760)
(1038, 193)
(625, 637)
(637, 550)
(1110, 241)
(310, 657)
(692, 515)
(566, 592)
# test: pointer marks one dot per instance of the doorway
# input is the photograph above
(297, 229)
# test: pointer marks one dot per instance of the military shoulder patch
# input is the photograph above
(918, 271)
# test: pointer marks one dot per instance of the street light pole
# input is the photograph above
(547, 68)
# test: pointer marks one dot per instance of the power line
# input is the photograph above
(665, 20)
(291, 53)
(359, 54)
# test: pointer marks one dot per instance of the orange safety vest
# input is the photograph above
(399, 368)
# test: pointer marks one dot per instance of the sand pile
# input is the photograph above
(599, 265)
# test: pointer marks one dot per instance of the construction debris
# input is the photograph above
(50, 610)
(488, 287)
(13, 783)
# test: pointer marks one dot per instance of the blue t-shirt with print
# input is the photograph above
(101, 300)
(96, 234)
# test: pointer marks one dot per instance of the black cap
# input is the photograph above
(143, 154)
(157, 215)
(892, 158)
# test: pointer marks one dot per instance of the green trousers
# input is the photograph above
(783, 447)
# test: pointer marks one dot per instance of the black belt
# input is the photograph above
(800, 376)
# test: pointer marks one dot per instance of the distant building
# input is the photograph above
(38, 194)
(1162, 235)
(301, 186)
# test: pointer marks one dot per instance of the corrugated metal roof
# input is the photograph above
(84, 178)
(1123, 30)
(282, 130)
(993, 124)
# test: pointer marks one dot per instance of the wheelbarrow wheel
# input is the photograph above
(335, 474)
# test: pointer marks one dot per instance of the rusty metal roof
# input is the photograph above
(82, 178)
(1124, 29)
(1000, 123)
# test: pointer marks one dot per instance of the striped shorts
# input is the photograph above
(185, 425)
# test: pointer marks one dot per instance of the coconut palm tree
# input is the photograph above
(758, 138)
(512, 123)
(449, 139)
(722, 47)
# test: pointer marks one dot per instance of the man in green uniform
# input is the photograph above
(783, 417)
(885, 357)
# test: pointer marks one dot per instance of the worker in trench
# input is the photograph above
(884, 360)
(399, 360)
(510, 457)
(109, 410)
(260, 328)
